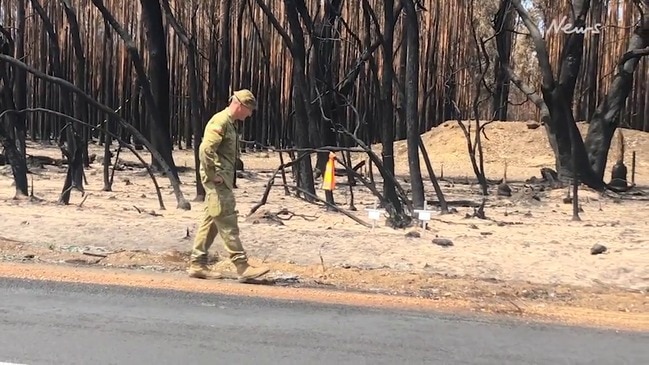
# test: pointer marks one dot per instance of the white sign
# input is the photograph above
(374, 214)
(423, 215)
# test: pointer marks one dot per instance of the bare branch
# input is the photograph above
(539, 45)
(531, 95)
(525, 88)
(636, 53)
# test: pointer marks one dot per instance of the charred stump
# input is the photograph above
(619, 170)
(74, 176)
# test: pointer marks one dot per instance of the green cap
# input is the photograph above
(246, 98)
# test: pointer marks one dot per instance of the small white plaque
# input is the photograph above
(424, 215)
(373, 214)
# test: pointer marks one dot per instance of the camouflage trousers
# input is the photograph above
(219, 218)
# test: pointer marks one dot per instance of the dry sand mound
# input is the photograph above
(525, 150)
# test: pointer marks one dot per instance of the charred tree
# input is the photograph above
(152, 113)
(70, 143)
(224, 56)
(107, 74)
(503, 25)
(301, 119)
(80, 106)
(605, 120)
(9, 129)
(412, 101)
(325, 35)
(195, 88)
(387, 106)
(558, 94)
(159, 75)
(321, 64)
(587, 105)
(619, 170)
(20, 83)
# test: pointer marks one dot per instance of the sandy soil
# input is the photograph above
(526, 246)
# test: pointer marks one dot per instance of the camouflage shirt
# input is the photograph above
(218, 150)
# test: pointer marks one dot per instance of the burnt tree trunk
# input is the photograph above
(322, 82)
(80, 106)
(195, 89)
(503, 24)
(152, 112)
(300, 89)
(20, 83)
(387, 106)
(224, 74)
(9, 124)
(587, 106)
(401, 124)
(559, 95)
(74, 146)
(302, 118)
(159, 79)
(107, 65)
(322, 64)
(412, 97)
(606, 117)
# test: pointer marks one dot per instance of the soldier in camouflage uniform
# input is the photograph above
(217, 154)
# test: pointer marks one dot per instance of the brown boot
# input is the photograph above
(247, 272)
(201, 271)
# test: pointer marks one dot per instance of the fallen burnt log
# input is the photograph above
(456, 203)
(38, 161)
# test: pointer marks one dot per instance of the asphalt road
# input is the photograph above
(54, 323)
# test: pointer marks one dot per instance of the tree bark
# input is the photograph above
(301, 118)
(197, 107)
(387, 105)
(159, 78)
(412, 97)
(223, 88)
(152, 112)
(606, 117)
(322, 83)
(9, 129)
(80, 106)
(20, 83)
(503, 23)
(107, 66)
(74, 148)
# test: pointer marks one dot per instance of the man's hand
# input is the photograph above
(218, 179)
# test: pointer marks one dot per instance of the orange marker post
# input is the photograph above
(329, 178)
